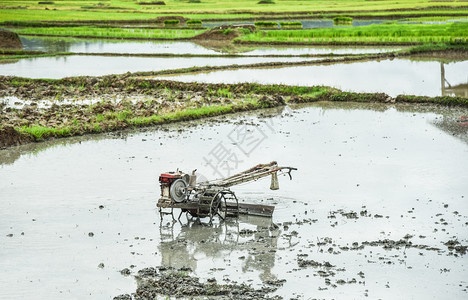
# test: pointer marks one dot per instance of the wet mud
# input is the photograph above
(154, 282)
(10, 137)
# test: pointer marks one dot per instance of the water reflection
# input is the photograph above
(454, 125)
(254, 239)
(391, 76)
(55, 44)
(60, 67)
(49, 44)
(448, 89)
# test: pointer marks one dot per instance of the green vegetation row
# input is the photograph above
(376, 33)
(72, 10)
(89, 31)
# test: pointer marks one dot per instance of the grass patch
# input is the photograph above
(194, 23)
(266, 24)
(41, 132)
(343, 21)
(295, 24)
(171, 23)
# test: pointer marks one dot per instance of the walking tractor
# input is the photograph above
(214, 198)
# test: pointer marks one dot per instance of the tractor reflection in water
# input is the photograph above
(253, 239)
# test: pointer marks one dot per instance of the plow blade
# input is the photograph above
(252, 209)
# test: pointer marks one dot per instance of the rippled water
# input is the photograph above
(405, 163)
(394, 77)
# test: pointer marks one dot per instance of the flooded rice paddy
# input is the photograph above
(147, 47)
(378, 193)
(391, 76)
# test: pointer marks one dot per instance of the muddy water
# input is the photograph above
(75, 212)
(394, 77)
(68, 66)
(132, 47)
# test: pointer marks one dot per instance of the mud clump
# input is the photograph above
(454, 245)
(9, 40)
(10, 137)
(154, 282)
(271, 101)
(303, 263)
(224, 32)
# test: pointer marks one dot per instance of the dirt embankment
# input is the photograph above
(9, 40)
(10, 137)
(224, 32)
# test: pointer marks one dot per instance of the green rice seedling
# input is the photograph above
(100, 117)
(194, 23)
(343, 21)
(227, 31)
(266, 24)
(40, 132)
(295, 24)
(124, 115)
(224, 93)
(171, 23)
(96, 128)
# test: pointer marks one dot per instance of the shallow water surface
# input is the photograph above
(135, 47)
(394, 77)
(111, 46)
(69, 66)
(75, 212)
